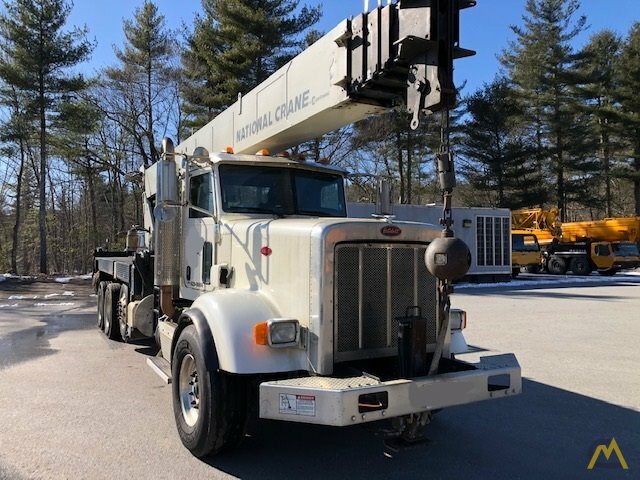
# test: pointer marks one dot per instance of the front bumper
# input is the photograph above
(348, 401)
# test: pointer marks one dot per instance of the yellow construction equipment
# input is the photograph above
(525, 252)
(568, 248)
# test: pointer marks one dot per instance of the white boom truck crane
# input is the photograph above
(261, 294)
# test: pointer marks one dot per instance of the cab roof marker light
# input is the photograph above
(229, 149)
(263, 153)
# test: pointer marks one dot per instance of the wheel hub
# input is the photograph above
(189, 390)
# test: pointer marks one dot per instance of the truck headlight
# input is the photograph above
(277, 332)
(283, 332)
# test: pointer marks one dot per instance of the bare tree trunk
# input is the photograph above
(42, 209)
(400, 164)
(92, 201)
(16, 226)
(636, 181)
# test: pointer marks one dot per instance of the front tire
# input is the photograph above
(608, 272)
(210, 407)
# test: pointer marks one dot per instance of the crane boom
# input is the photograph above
(365, 65)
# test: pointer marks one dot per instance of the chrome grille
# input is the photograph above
(374, 284)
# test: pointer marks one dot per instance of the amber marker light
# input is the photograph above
(263, 153)
(229, 149)
(261, 333)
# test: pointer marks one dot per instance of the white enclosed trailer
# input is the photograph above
(487, 232)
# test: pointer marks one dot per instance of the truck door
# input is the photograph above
(199, 233)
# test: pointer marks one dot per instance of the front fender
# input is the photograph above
(231, 316)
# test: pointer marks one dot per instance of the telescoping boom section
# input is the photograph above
(398, 53)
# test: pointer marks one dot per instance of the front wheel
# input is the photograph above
(608, 272)
(210, 407)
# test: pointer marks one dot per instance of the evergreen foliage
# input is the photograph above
(498, 154)
(37, 54)
(236, 44)
(629, 96)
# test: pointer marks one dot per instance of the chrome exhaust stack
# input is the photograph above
(167, 228)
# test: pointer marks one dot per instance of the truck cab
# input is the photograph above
(525, 252)
(267, 298)
(626, 255)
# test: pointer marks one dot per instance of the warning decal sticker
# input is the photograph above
(298, 404)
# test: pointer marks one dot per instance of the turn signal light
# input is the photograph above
(261, 333)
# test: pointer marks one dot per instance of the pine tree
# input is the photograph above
(629, 77)
(541, 64)
(236, 45)
(498, 156)
(145, 79)
(597, 66)
(37, 54)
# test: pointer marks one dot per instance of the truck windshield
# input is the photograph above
(625, 249)
(281, 191)
(524, 243)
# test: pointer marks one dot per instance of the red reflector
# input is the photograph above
(266, 251)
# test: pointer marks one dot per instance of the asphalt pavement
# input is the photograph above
(76, 405)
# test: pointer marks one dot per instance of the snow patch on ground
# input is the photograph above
(7, 305)
(548, 280)
(22, 297)
(52, 304)
(68, 279)
(63, 294)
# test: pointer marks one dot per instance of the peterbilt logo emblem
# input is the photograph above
(391, 231)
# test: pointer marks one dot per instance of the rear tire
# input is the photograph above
(102, 286)
(210, 407)
(556, 265)
(123, 302)
(580, 266)
(515, 272)
(111, 322)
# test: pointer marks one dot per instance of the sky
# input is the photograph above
(484, 28)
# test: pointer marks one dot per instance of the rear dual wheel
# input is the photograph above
(110, 311)
(123, 302)
(580, 266)
(556, 265)
(102, 286)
